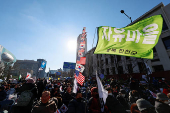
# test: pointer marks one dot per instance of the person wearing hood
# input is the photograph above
(122, 100)
(161, 103)
(94, 103)
(77, 105)
(45, 105)
(113, 104)
(145, 107)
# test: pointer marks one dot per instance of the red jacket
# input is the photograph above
(166, 91)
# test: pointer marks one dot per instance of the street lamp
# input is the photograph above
(122, 11)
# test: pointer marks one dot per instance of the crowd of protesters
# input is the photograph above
(44, 96)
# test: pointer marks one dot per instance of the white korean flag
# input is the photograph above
(82, 45)
(80, 54)
(63, 108)
(28, 75)
(102, 93)
(80, 68)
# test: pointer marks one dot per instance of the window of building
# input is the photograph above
(155, 60)
(127, 57)
(130, 69)
(102, 71)
(113, 70)
(118, 58)
(112, 59)
(142, 67)
(154, 50)
(166, 42)
(106, 61)
(164, 27)
(158, 68)
(107, 69)
(120, 70)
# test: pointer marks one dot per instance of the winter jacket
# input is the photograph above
(94, 105)
(10, 91)
(49, 107)
(77, 107)
(161, 107)
(3, 95)
(114, 106)
(67, 98)
(123, 102)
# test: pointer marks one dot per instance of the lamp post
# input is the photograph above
(122, 11)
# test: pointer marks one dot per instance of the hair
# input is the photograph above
(168, 95)
(135, 93)
(134, 108)
(46, 92)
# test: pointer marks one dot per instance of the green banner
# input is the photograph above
(136, 40)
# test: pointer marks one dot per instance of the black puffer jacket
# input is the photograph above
(2, 95)
(49, 107)
(77, 107)
(123, 102)
(114, 106)
(161, 107)
(67, 98)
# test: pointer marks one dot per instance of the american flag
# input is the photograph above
(81, 50)
(81, 60)
(80, 78)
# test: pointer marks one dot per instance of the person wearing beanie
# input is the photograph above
(122, 100)
(161, 103)
(144, 106)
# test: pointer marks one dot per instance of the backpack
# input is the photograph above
(25, 98)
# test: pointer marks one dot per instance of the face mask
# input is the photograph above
(166, 102)
(79, 99)
(136, 97)
(50, 88)
(123, 95)
(110, 94)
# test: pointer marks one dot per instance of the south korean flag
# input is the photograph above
(80, 54)
(80, 68)
(82, 45)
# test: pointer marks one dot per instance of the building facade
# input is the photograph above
(30, 66)
(115, 64)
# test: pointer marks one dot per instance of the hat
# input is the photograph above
(161, 96)
(143, 104)
(122, 91)
(94, 89)
(56, 86)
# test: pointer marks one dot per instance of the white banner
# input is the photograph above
(102, 93)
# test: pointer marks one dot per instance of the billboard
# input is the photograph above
(69, 65)
(58, 73)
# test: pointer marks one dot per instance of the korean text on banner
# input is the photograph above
(136, 40)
